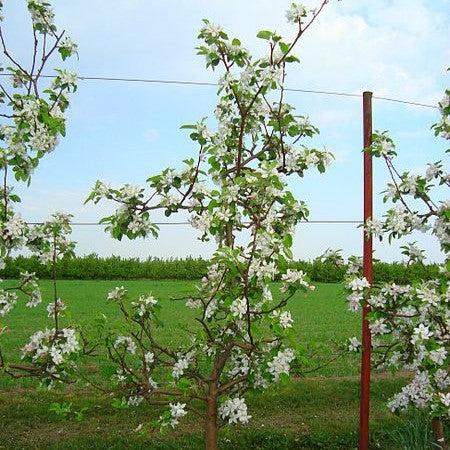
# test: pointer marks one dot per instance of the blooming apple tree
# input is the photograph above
(33, 118)
(234, 190)
(410, 324)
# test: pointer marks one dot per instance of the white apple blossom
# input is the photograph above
(135, 400)
(281, 363)
(414, 318)
(296, 13)
(65, 77)
(118, 293)
(355, 300)
(439, 356)
(293, 277)
(68, 44)
(144, 304)
(182, 364)
(126, 342)
(35, 299)
(149, 357)
(239, 307)
(55, 308)
(421, 333)
(177, 410)
(128, 192)
(7, 302)
(378, 327)
(234, 410)
(374, 228)
(354, 344)
(445, 399)
(193, 303)
(152, 383)
(359, 284)
(50, 348)
(386, 147)
(286, 320)
(432, 171)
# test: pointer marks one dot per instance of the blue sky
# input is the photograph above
(122, 132)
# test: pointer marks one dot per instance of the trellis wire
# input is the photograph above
(208, 83)
(188, 223)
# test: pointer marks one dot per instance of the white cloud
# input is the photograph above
(353, 52)
(395, 47)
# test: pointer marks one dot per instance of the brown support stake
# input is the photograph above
(368, 274)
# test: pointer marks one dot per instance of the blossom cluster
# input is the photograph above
(281, 363)
(410, 327)
(53, 351)
(332, 256)
(145, 305)
(127, 343)
(50, 240)
(234, 410)
(13, 233)
(176, 412)
(182, 364)
(7, 302)
(28, 285)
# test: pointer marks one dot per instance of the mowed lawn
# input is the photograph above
(318, 409)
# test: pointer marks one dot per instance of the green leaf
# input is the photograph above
(293, 130)
(108, 370)
(64, 52)
(264, 34)
(119, 403)
(288, 253)
(287, 241)
(183, 383)
(291, 58)
(14, 198)
(284, 378)
(284, 47)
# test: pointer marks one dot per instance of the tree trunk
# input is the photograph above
(211, 429)
(438, 433)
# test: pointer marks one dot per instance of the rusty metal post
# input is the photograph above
(368, 274)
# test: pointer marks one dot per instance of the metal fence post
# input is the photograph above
(368, 274)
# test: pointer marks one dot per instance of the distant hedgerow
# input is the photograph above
(94, 267)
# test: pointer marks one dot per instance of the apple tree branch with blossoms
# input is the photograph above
(33, 119)
(234, 190)
(410, 324)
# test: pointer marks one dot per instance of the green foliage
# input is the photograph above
(94, 267)
(65, 411)
(414, 434)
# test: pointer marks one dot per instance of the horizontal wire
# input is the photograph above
(397, 100)
(188, 223)
(206, 83)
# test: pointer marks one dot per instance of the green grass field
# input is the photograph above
(318, 410)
